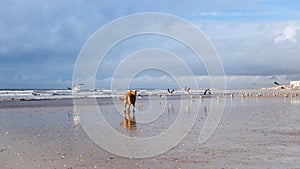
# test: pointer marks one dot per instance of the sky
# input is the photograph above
(257, 41)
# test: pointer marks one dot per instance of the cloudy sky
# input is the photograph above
(257, 41)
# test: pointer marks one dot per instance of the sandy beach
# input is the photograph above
(254, 132)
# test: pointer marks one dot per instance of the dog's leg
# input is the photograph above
(129, 108)
(125, 105)
(133, 105)
(133, 110)
(125, 116)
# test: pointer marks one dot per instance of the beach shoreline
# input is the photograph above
(254, 132)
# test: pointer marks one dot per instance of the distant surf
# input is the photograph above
(20, 95)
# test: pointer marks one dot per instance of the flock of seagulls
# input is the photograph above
(208, 91)
(186, 90)
(249, 93)
(270, 94)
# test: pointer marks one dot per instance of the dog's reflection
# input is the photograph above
(129, 121)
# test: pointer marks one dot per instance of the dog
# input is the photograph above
(129, 98)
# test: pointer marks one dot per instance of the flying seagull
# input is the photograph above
(76, 87)
(276, 83)
(207, 91)
(170, 92)
(187, 90)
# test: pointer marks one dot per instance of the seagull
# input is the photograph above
(276, 83)
(76, 87)
(170, 92)
(207, 91)
(161, 95)
(35, 93)
(186, 90)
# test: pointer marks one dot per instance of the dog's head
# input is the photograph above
(133, 92)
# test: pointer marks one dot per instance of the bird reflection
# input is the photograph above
(206, 110)
(129, 122)
(140, 106)
(187, 109)
(170, 107)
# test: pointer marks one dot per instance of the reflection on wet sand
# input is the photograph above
(162, 104)
(129, 122)
(140, 106)
(187, 109)
(206, 110)
(169, 108)
(295, 101)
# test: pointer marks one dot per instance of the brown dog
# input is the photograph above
(129, 98)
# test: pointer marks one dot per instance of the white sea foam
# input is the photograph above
(7, 95)
(62, 94)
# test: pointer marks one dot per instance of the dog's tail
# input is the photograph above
(120, 98)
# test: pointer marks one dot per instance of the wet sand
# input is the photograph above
(253, 133)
